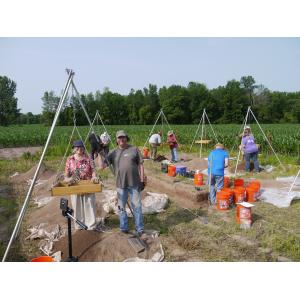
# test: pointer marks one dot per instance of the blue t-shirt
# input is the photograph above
(216, 159)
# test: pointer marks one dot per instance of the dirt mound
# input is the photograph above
(240, 167)
(44, 174)
(194, 164)
(111, 247)
(12, 153)
(184, 194)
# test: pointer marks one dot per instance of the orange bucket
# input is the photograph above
(243, 215)
(198, 179)
(230, 192)
(171, 170)
(251, 193)
(238, 194)
(226, 182)
(223, 200)
(146, 152)
(256, 185)
(43, 259)
(238, 182)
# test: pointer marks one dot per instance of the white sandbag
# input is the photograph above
(154, 203)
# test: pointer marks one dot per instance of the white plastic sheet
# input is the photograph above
(279, 197)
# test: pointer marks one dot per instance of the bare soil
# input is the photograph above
(12, 153)
(91, 246)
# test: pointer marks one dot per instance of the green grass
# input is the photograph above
(9, 208)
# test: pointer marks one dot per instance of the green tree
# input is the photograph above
(9, 111)
(234, 103)
(134, 101)
(199, 99)
(248, 83)
(50, 104)
(175, 103)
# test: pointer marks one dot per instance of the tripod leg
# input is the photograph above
(69, 238)
(71, 258)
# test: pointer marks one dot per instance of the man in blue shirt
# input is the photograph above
(217, 162)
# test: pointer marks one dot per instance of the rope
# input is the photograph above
(237, 161)
(266, 138)
(152, 128)
(196, 132)
(203, 124)
(211, 126)
(293, 182)
(66, 150)
(87, 136)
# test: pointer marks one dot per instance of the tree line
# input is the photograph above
(181, 104)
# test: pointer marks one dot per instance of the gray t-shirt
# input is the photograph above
(125, 165)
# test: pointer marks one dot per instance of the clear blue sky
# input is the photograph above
(38, 64)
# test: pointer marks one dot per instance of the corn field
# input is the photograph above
(285, 138)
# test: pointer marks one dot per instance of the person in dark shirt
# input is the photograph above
(127, 163)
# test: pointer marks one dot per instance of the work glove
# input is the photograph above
(95, 180)
(142, 186)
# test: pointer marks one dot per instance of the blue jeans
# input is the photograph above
(248, 157)
(216, 184)
(174, 154)
(136, 205)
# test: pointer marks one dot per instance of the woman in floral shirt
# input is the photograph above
(79, 165)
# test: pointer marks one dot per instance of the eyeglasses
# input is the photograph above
(121, 137)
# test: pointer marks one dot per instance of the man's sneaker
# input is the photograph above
(125, 231)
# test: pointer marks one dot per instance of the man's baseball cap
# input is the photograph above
(121, 133)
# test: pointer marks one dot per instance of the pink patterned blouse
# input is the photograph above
(83, 166)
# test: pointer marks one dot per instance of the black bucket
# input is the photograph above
(190, 174)
(164, 167)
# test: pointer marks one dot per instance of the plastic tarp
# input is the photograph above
(279, 197)
(48, 234)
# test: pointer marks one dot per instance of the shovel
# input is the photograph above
(135, 242)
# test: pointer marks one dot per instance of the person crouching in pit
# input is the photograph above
(155, 141)
(128, 168)
(79, 165)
